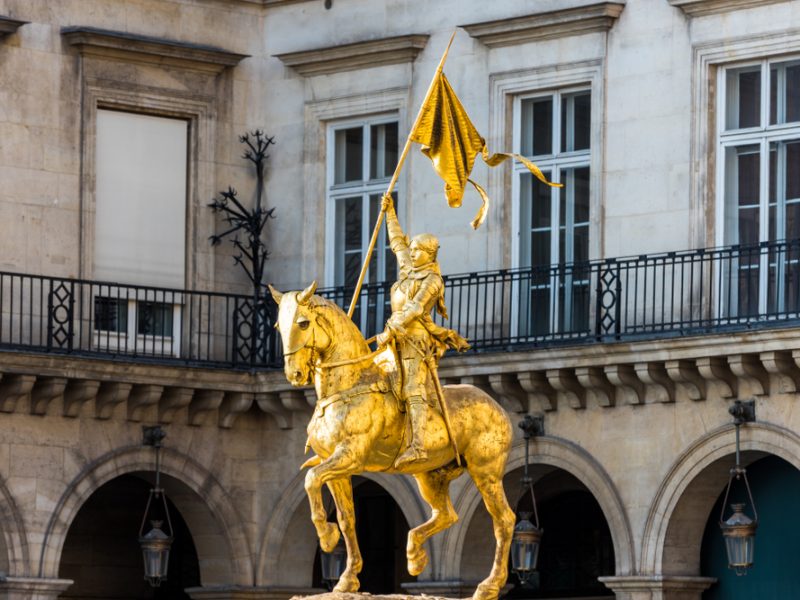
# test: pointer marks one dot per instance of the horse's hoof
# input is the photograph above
(328, 536)
(486, 591)
(347, 584)
(417, 561)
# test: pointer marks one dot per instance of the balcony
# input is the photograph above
(645, 297)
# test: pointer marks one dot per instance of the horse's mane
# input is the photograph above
(338, 314)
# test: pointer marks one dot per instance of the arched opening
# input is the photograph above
(576, 547)
(382, 530)
(775, 575)
(101, 553)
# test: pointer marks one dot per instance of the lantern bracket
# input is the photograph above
(743, 412)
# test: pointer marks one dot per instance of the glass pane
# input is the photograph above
(383, 150)
(154, 318)
(537, 126)
(743, 102)
(348, 155)
(784, 93)
(348, 237)
(576, 111)
(539, 311)
(111, 314)
(784, 189)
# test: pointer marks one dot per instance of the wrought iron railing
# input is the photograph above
(647, 296)
(652, 295)
(126, 322)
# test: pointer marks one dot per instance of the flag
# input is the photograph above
(451, 142)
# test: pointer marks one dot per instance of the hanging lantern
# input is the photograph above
(525, 547)
(155, 543)
(739, 530)
(155, 550)
(527, 534)
(333, 563)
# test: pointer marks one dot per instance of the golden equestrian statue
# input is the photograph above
(363, 421)
(358, 426)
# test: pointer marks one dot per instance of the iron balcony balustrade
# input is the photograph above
(643, 297)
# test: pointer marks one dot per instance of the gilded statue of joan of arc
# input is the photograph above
(418, 340)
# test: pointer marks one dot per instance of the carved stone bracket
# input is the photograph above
(783, 368)
(598, 386)
(172, 401)
(294, 400)
(45, 391)
(506, 387)
(78, 393)
(749, 370)
(204, 406)
(658, 385)
(233, 405)
(716, 370)
(12, 389)
(109, 396)
(568, 387)
(480, 382)
(142, 398)
(685, 374)
(541, 395)
(272, 405)
(630, 389)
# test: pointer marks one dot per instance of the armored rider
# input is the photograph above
(418, 340)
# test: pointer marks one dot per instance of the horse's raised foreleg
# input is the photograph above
(434, 487)
(340, 464)
(342, 491)
(490, 485)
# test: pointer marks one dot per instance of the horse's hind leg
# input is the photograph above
(342, 491)
(434, 487)
(489, 481)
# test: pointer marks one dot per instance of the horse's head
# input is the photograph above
(302, 336)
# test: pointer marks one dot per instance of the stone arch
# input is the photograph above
(672, 538)
(217, 527)
(561, 454)
(290, 538)
(14, 551)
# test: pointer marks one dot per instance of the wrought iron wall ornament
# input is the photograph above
(246, 230)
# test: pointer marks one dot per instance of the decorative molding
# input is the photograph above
(547, 25)
(360, 55)
(131, 47)
(9, 26)
(701, 8)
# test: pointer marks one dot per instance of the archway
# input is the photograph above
(101, 553)
(678, 516)
(774, 576)
(217, 528)
(576, 548)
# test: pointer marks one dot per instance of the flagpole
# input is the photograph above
(393, 181)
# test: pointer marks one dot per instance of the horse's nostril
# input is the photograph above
(298, 375)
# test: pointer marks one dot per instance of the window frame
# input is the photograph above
(365, 188)
(761, 136)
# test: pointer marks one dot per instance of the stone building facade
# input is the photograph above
(674, 125)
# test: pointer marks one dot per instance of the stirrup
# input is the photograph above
(410, 456)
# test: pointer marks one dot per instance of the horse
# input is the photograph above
(358, 425)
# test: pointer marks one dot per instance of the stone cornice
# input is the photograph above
(9, 25)
(349, 57)
(138, 48)
(700, 8)
(546, 25)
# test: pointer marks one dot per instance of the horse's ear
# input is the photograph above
(304, 296)
(276, 295)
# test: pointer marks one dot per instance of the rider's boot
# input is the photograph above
(418, 411)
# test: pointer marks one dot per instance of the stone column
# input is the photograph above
(241, 592)
(32, 588)
(657, 587)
